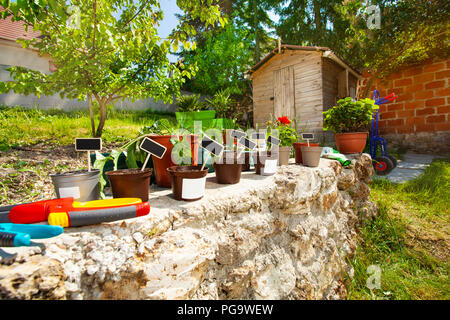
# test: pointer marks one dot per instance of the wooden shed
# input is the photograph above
(301, 83)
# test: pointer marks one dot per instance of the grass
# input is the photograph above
(21, 127)
(408, 240)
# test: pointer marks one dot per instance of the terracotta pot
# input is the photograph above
(298, 150)
(130, 183)
(228, 169)
(188, 182)
(311, 155)
(284, 154)
(260, 158)
(162, 177)
(352, 142)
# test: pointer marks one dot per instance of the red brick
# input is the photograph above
(445, 126)
(405, 114)
(448, 64)
(424, 112)
(435, 84)
(435, 102)
(413, 88)
(403, 82)
(424, 94)
(395, 76)
(388, 115)
(436, 119)
(434, 67)
(413, 121)
(445, 109)
(395, 123)
(383, 108)
(396, 106)
(382, 123)
(425, 127)
(443, 74)
(405, 96)
(413, 71)
(414, 104)
(423, 78)
(388, 130)
(405, 129)
(443, 92)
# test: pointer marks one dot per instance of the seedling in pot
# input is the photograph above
(212, 146)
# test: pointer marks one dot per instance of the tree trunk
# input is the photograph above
(91, 114)
(317, 21)
(102, 105)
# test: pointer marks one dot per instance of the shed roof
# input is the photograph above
(328, 53)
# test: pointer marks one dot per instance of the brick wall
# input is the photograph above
(421, 114)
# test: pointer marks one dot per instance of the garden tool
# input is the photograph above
(330, 153)
(66, 212)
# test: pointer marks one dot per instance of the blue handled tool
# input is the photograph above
(35, 231)
(20, 235)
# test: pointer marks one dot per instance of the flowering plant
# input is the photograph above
(286, 133)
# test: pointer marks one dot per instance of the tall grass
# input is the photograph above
(20, 126)
(408, 240)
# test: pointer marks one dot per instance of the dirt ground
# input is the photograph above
(25, 171)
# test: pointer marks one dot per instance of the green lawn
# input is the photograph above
(409, 240)
(22, 127)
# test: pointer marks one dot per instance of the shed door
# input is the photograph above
(283, 92)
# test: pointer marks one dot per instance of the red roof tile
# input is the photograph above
(14, 30)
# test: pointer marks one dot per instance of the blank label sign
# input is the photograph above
(88, 144)
(273, 140)
(153, 147)
(247, 143)
(307, 136)
(212, 146)
(237, 134)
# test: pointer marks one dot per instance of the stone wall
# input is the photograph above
(285, 236)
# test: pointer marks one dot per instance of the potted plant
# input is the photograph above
(187, 146)
(190, 109)
(188, 182)
(131, 182)
(287, 136)
(311, 155)
(229, 166)
(349, 120)
(221, 103)
(300, 143)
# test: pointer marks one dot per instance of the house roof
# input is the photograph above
(12, 31)
(328, 53)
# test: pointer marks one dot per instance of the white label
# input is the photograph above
(73, 192)
(193, 188)
(270, 166)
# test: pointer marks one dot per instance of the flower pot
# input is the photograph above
(160, 166)
(311, 155)
(265, 162)
(130, 183)
(352, 142)
(228, 169)
(188, 182)
(298, 150)
(82, 185)
(284, 154)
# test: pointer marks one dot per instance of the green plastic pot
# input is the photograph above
(186, 119)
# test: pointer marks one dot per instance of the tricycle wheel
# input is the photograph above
(394, 161)
(382, 165)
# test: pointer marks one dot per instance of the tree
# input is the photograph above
(222, 60)
(105, 50)
(410, 31)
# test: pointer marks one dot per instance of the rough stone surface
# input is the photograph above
(285, 236)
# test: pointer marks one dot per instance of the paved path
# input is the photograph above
(409, 168)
